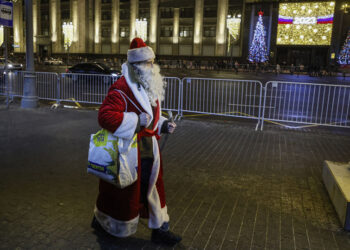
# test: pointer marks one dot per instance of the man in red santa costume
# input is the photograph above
(131, 106)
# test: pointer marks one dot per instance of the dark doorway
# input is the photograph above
(307, 55)
(43, 51)
(301, 56)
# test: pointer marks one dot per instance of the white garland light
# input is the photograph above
(1, 34)
(68, 34)
(141, 29)
(233, 25)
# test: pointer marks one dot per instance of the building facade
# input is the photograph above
(182, 28)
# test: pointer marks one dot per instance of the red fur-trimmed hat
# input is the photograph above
(139, 51)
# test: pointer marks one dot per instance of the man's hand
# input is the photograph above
(144, 119)
(171, 127)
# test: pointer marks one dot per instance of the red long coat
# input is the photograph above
(117, 210)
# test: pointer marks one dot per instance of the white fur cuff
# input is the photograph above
(127, 128)
(162, 119)
(140, 54)
(116, 227)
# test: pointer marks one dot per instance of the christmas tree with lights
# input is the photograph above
(344, 55)
(258, 50)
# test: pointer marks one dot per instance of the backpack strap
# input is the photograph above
(126, 104)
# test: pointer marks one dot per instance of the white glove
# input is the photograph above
(144, 119)
(171, 127)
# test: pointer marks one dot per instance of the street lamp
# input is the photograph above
(141, 28)
(68, 37)
(233, 24)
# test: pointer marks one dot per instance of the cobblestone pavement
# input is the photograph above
(227, 186)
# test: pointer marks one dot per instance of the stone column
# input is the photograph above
(56, 28)
(269, 31)
(176, 28)
(82, 25)
(74, 18)
(18, 26)
(79, 18)
(115, 26)
(97, 38)
(134, 13)
(91, 27)
(198, 27)
(242, 30)
(38, 21)
(221, 28)
(153, 24)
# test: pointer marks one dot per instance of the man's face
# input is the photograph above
(145, 65)
(153, 82)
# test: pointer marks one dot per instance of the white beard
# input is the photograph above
(152, 81)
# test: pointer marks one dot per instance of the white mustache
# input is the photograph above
(153, 82)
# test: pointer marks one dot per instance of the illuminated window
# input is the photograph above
(124, 31)
(186, 31)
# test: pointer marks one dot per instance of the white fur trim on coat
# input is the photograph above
(127, 128)
(140, 94)
(116, 227)
(140, 54)
(162, 119)
(157, 214)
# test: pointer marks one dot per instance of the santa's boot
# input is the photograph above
(163, 235)
(97, 226)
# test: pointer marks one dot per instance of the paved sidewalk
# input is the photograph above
(227, 186)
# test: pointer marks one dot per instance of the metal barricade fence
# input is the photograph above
(302, 103)
(172, 97)
(84, 88)
(46, 84)
(224, 97)
(307, 103)
(2, 84)
(11, 87)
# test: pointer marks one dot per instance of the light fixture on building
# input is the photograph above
(141, 28)
(345, 7)
(1, 35)
(233, 25)
(68, 34)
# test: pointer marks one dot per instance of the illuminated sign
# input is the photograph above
(308, 23)
(305, 20)
(6, 17)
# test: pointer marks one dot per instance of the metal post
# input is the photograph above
(30, 99)
(7, 83)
